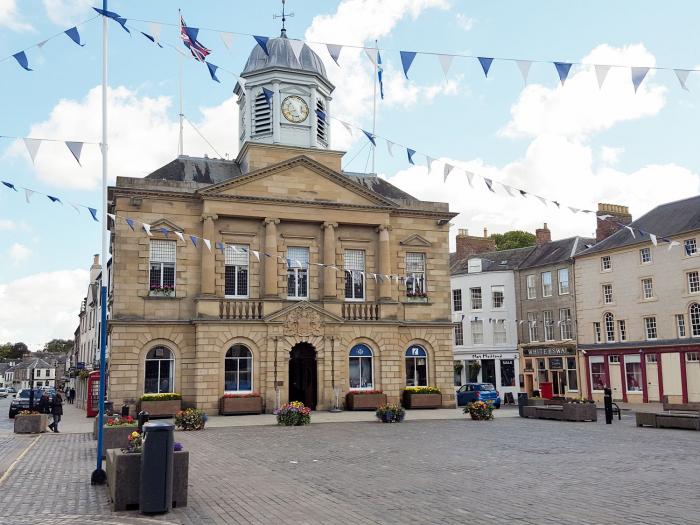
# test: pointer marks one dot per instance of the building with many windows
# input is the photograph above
(315, 281)
(638, 306)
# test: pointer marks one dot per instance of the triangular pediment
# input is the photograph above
(299, 179)
(416, 240)
(283, 314)
(165, 223)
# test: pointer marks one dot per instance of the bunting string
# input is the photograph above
(32, 144)
(29, 193)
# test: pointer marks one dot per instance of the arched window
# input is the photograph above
(160, 371)
(321, 117)
(609, 327)
(361, 367)
(416, 366)
(262, 121)
(694, 312)
(238, 369)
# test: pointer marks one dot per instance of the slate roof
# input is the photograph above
(197, 169)
(491, 261)
(555, 252)
(667, 220)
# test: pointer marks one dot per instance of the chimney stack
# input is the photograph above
(96, 260)
(543, 235)
(620, 215)
(472, 244)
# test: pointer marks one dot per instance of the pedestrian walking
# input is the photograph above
(44, 405)
(72, 395)
(56, 411)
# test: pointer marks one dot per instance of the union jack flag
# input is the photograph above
(189, 38)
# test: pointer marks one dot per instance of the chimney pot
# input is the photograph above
(470, 245)
(543, 235)
(605, 228)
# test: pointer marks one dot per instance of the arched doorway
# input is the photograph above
(302, 375)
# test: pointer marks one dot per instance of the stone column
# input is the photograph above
(208, 268)
(271, 262)
(330, 290)
(276, 112)
(384, 262)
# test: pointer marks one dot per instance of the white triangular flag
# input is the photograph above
(32, 146)
(154, 30)
(297, 46)
(601, 71)
(470, 177)
(542, 200)
(41, 44)
(208, 243)
(371, 54)
(389, 146)
(75, 148)
(654, 241)
(429, 162)
(334, 52)
(28, 194)
(672, 244)
(227, 39)
(75, 207)
(348, 127)
(112, 216)
(446, 171)
(257, 254)
(179, 235)
(147, 229)
(631, 231)
(445, 62)
(507, 188)
(524, 67)
(574, 210)
(682, 75)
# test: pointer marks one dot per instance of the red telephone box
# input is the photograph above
(92, 406)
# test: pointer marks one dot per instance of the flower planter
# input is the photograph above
(115, 437)
(579, 412)
(31, 424)
(164, 408)
(231, 406)
(416, 299)
(359, 401)
(124, 479)
(411, 400)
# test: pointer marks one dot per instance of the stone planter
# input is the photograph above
(124, 479)
(116, 437)
(158, 409)
(230, 406)
(645, 419)
(422, 400)
(31, 424)
(359, 401)
(580, 412)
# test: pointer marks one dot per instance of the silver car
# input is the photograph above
(3, 392)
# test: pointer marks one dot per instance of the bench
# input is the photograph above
(687, 421)
(692, 407)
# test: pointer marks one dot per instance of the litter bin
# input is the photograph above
(156, 493)
(522, 402)
(109, 407)
(546, 390)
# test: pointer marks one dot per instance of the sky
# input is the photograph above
(576, 144)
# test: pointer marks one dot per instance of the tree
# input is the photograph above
(513, 239)
(58, 346)
(5, 351)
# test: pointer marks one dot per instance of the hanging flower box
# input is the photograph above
(166, 291)
(365, 399)
(161, 405)
(422, 397)
(235, 404)
(30, 423)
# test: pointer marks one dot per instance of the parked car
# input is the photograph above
(11, 390)
(21, 401)
(471, 392)
(3, 392)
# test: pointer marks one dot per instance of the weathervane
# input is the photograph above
(283, 16)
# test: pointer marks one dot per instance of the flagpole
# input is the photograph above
(99, 477)
(374, 100)
(180, 144)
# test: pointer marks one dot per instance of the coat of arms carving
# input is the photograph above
(303, 322)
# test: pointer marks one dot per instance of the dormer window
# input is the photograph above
(474, 266)
(321, 124)
(262, 122)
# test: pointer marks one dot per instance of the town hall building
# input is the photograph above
(295, 304)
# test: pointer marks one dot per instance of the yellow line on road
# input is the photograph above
(19, 458)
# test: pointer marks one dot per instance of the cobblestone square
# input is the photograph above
(506, 471)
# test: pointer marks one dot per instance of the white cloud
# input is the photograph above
(7, 225)
(66, 12)
(19, 253)
(143, 136)
(40, 307)
(465, 22)
(11, 18)
(610, 155)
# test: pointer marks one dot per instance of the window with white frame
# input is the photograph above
(607, 294)
(645, 255)
(159, 371)
(162, 266)
(415, 274)
(297, 272)
(360, 367)
(546, 284)
(650, 328)
(605, 263)
(622, 329)
(563, 278)
(680, 325)
(565, 323)
(694, 314)
(416, 366)
(599, 378)
(609, 327)
(497, 293)
(236, 271)
(500, 337)
(477, 328)
(614, 359)
(596, 333)
(693, 282)
(548, 322)
(459, 335)
(692, 357)
(531, 287)
(354, 264)
(633, 373)
(532, 326)
(475, 295)
(648, 288)
(457, 300)
(690, 246)
(238, 369)
(652, 358)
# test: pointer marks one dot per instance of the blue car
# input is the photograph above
(471, 392)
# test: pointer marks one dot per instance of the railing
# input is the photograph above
(361, 311)
(240, 310)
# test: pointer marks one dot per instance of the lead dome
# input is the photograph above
(281, 55)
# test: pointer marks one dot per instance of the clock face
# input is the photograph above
(295, 109)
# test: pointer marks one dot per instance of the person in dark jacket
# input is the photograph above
(72, 395)
(44, 406)
(56, 411)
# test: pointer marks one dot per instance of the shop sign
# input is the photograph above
(81, 366)
(549, 351)
(556, 363)
(491, 356)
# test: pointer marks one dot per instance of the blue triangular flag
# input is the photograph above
(321, 114)
(262, 42)
(406, 60)
(485, 64)
(54, 199)
(334, 52)
(289, 263)
(74, 35)
(212, 71)
(114, 16)
(638, 74)
(563, 69)
(194, 240)
(370, 137)
(9, 185)
(192, 32)
(21, 58)
(130, 222)
(219, 246)
(410, 152)
(152, 39)
(164, 230)
(93, 212)
(268, 95)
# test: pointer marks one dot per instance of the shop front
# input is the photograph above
(498, 368)
(551, 371)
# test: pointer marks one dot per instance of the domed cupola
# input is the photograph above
(281, 93)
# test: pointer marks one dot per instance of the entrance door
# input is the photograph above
(488, 371)
(302, 375)
(558, 382)
(652, 378)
